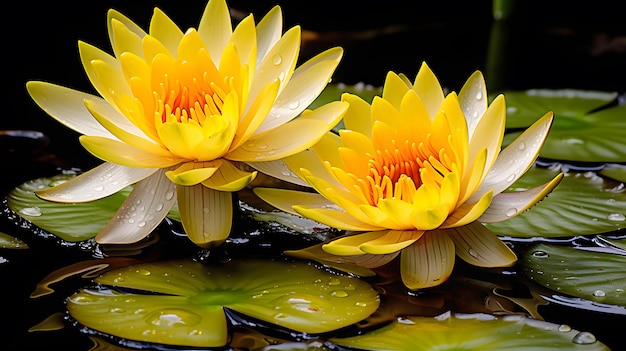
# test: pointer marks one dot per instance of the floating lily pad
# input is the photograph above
(583, 203)
(615, 171)
(66, 220)
(582, 129)
(472, 332)
(595, 276)
(184, 300)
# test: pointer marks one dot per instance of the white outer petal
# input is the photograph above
(144, 209)
(268, 32)
(516, 158)
(67, 106)
(97, 183)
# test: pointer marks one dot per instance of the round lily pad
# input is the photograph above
(184, 300)
(485, 332)
(592, 275)
(588, 125)
(583, 203)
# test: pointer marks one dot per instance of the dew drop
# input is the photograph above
(510, 178)
(540, 254)
(294, 104)
(141, 224)
(169, 195)
(584, 338)
(472, 253)
(196, 332)
(206, 210)
(31, 211)
(98, 188)
(479, 95)
(511, 212)
(277, 59)
(174, 318)
(599, 293)
(521, 145)
(339, 293)
(334, 282)
(564, 328)
(158, 207)
(117, 310)
(617, 217)
(143, 271)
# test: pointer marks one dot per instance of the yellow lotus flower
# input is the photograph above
(179, 110)
(416, 173)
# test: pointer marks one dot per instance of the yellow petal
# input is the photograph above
(299, 93)
(269, 29)
(131, 223)
(348, 245)
(121, 127)
(334, 218)
(67, 106)
(181, 138)
(394, 89)
(229, 178)
(215, 27)
(479, 246)
(257, 113)
(391, 241)
(358, 117)
(473, 100)
(99, 182)
(192, 173)
(428, 262)
(516, 158)
(284, 199)
(467, 213)
(165, 30)
(89, 54)
(279, 62)
(124, 34)
(344, 263)
(489, 132)
(281, 142)
(510, 204)
(279, 169)
(206, 214)
(124, 154)
(428, 88)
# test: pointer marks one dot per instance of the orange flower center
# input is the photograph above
(398, 171)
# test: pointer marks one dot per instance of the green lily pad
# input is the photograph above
(583, 130)
(583, 203)
(485, 332)
(614, 171)
(67, 220)
(10, 242)
(184, 300)
(592, 275)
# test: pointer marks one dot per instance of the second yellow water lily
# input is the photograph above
(416, 173)
(179, 111)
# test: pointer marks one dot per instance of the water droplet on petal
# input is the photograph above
(173, 317)
(511, 212)
(98, 188)
(143, 272)
(540, 254)
(584, 338)
(564, 328)
(294, 104)
(617, 217)
(472, 253)
(169, 195)
(277, 59)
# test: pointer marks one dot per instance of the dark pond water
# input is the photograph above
(558, 45)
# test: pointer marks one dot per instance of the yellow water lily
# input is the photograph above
(179, 111)
(418, 173)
